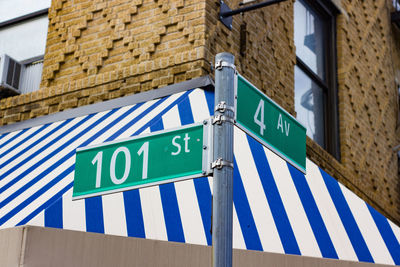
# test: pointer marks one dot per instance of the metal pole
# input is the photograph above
(223, 161)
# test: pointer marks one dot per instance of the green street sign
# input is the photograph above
(270, 124)
(146, 160)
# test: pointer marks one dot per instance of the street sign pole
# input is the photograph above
(223, 160)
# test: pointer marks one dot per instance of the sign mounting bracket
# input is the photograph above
(226, 13)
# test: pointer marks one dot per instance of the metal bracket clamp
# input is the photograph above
(222, 107)
(219, 119)
(220, 64)
(219, 163)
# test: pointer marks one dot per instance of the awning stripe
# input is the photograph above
(369, 230)
(73, 213)
(58, 163)
(387, 233)
(53, 216)
(201, 185)
(29, 184)
(45, 205)
(189, 207)
(97, 225)
(172, 216)
(11, 137)
(153, 215)
(327, 209)
(4, 135)
(246, 219)
(276, 208)
(32, 156)
(39, 152)
(396, 230)
(25, 140)
(274, 199)
(291, 201)
(158, 117)
(94, 215)
(88, 127)
(114, 215)
(134, 215)
(185, 112)
(314, 217)
(204, 199)
(21, 202)
(34, 144)
(46, 159)
(201, 102)
(237, 236)
(347, 219)
(258, 203)
(210, 101)
(199, 105)
(160, 114)
(170, 207)
(152, 121)
(135, 120)
(188, 201)
(34, 196)
(69, 155)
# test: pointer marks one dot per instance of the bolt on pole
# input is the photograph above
(223, 160)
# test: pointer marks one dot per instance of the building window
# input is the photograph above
(396, 4)
(315, 72)
(23, 34)
(397, 148)
(398, 106)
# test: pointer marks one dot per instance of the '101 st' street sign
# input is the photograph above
(270, 124)
(156, 158)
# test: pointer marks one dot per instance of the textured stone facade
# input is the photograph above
(368, 57)
(99, 50)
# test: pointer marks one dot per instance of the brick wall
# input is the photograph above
(99, 50)
(395, 46)
(267, 59)
(367, 56)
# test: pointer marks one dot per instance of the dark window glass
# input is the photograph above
(398, 163)
(17, 74)
(309, 105)
(309, 38)
(315, 72)
(10, 72)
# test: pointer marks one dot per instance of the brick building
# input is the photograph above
(335, 65)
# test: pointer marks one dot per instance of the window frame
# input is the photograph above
(20, 20)
(328, 12)
(24, 18)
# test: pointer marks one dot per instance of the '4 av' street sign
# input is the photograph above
(142, 161)
(270, 124)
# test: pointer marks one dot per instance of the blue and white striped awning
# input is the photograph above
(276, 207)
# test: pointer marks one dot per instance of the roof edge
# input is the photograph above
(204, 82)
